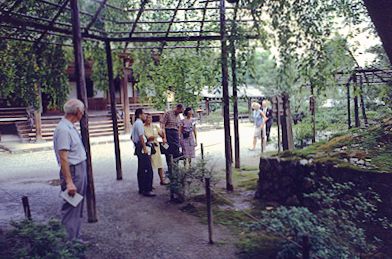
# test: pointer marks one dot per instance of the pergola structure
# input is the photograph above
(358, 78)
(189, 24)
(203, 23)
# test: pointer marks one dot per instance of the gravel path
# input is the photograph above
(129, 225)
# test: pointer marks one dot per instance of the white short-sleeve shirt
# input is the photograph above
(137, 131)
(66, 137)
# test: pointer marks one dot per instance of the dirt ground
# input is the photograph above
(129, 225)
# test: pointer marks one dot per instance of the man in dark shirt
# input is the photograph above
(268, 112)
(169, 125)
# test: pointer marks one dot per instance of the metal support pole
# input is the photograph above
(82, 95)
(305, 247)
(127, 123)
(209, 211)
(37, 114)
(109, 62)
(170, 172)
(363, 106)
(348, 103)
(226, 101)
(235, 104)
(278, 121)
(312, 104)
(356, 104)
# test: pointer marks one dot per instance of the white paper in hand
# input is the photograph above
(148, 150)
(165, 146)
(74, 201)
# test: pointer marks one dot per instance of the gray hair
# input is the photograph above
(256, 106)
(72, 106)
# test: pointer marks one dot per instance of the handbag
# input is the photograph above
(186, 134)
(152, 146)
(139, 149)
(163, 150)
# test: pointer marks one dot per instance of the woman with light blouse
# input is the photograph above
(152, 133)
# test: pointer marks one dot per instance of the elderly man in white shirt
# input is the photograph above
(71, 157)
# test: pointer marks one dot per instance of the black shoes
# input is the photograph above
(149, 194)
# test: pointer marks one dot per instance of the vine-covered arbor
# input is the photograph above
(204, 24)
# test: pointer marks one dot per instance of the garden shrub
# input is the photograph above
(28, 239)
(333, 222)
(302, 134)
(186, 181)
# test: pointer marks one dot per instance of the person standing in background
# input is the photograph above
(170, 123)
(152, 133)
(259, 120)
(266, 108)
(188, 136)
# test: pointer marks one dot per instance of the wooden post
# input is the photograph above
(209, 210)
(287, 131)
(363, 102)
(127, 124)
(170, 171)
(356, 105)
(82, 95)
(132, 87)
(312, 107)
(226, 101)
(235, 106)
(249, 107)
(37, 114)
(207, 106)
(109, 62)
(348, 103)
(278, 120)
(26, 207)
(305, 247)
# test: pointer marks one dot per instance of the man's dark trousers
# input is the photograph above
(174, 144)
(144, 173)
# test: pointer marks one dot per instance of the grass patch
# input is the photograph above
(246, 179)
(250, 243)
(253, 245)
(373, 145)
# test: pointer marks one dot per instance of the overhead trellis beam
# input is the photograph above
(202, 24)
(134, 24)
(161, 32)
(36, 18)
(96, 15)
(170, 25)
(15, 5)
(51, 24)
(172, 47)
(175, 38)
(13, 21)
(37, 31)
(184, 9)
(111, 6)
(33, 41)
(181, 21)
